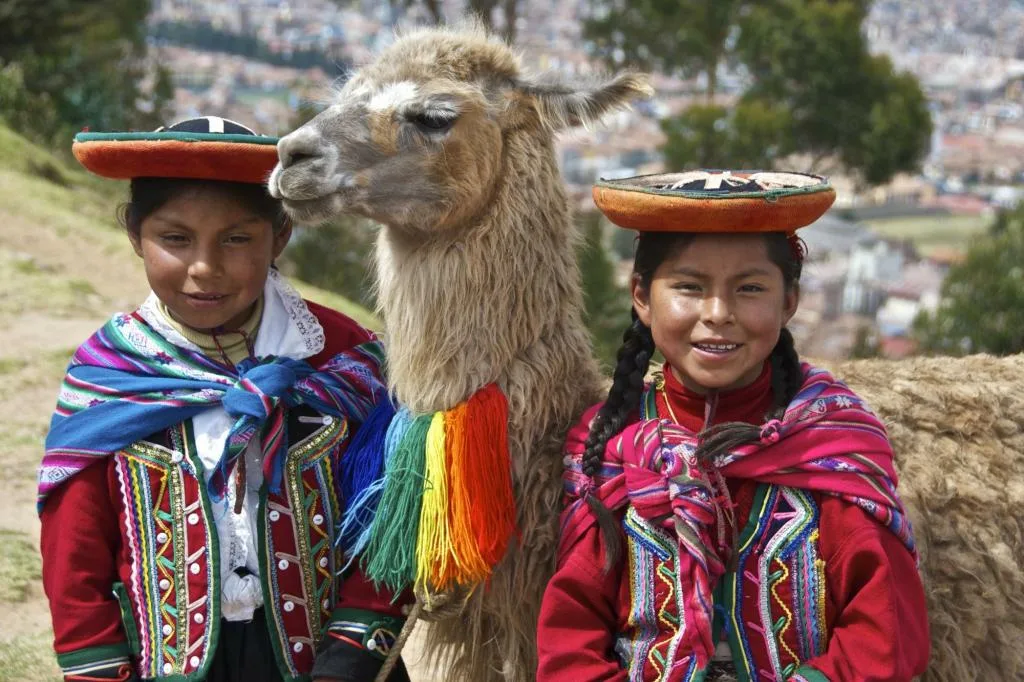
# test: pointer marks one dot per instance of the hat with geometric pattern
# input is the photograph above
(205, 148)
(715, 201)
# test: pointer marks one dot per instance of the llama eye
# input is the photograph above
(433, 122)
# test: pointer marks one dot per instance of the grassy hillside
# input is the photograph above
(933, 233)
(64, 267)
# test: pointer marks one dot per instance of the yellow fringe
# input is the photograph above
(433, 544)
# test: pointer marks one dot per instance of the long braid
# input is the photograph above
(787, 375)
(632, 362)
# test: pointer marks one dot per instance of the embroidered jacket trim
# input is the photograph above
(777, 562)
(297, 614)
(172, 617)
(93, 659)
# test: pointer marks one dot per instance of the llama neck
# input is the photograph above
(461, 312)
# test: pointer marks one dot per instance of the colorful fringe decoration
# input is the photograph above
(358, 520)
(444, 511)
(362, 464)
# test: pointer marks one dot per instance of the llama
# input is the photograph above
(446, 143)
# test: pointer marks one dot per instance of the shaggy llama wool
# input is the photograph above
(447, 144)
(957, 428)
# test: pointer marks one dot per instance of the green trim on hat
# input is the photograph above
(176, 136)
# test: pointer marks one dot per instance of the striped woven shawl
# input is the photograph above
(828, 441)
(128, 382)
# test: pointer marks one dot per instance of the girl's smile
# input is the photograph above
(715, 310)
(207, 256)
(204, 301)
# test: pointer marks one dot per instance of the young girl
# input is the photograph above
(736, 518)
(192, 481)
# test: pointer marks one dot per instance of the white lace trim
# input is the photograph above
(304, 320)
(150, 312)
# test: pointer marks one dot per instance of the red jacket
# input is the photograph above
(863, 599)
(128, 571)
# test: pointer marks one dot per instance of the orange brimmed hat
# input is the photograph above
(715, 201)
(205, 148)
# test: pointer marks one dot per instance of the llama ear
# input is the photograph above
(558, 105)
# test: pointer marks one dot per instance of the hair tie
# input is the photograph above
(771, 432)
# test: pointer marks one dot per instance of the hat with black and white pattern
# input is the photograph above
(715, 201)
(203, 148)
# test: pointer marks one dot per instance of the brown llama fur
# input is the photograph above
(477, 283)
(476, 277)
(957, 428)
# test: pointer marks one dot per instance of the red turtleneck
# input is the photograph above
(689, 409)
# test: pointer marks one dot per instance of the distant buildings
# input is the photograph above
(969, 55)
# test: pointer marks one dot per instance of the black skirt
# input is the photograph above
(244, 653)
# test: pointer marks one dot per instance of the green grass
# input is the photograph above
(929, 233)
(20, 155)
(339, 303)
(23, 447)
(258, 95)
(75, 209)
(11, 365)
(28, 658)
(19, 566)
(30, 287)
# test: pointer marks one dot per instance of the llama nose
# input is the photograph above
(298, 147)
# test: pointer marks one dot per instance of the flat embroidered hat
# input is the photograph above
(205, 148)
(715, 201)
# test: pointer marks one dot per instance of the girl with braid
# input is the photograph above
(736, 518)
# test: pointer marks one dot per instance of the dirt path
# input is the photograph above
(33, 351)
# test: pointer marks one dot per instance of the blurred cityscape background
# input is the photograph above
(914, 108)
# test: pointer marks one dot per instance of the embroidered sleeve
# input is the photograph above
(97, 663)
(880, 631)
(806, 673)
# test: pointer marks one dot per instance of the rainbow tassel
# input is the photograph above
(494, 505)
(433, 543)
(444, 512)
(390, 556)
(364, 457)
(362, 508)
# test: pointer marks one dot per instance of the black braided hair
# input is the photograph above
(632, 362)
(787, 375)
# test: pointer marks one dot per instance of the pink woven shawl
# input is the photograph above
(828, 441)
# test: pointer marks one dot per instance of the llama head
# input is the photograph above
(416, 139)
